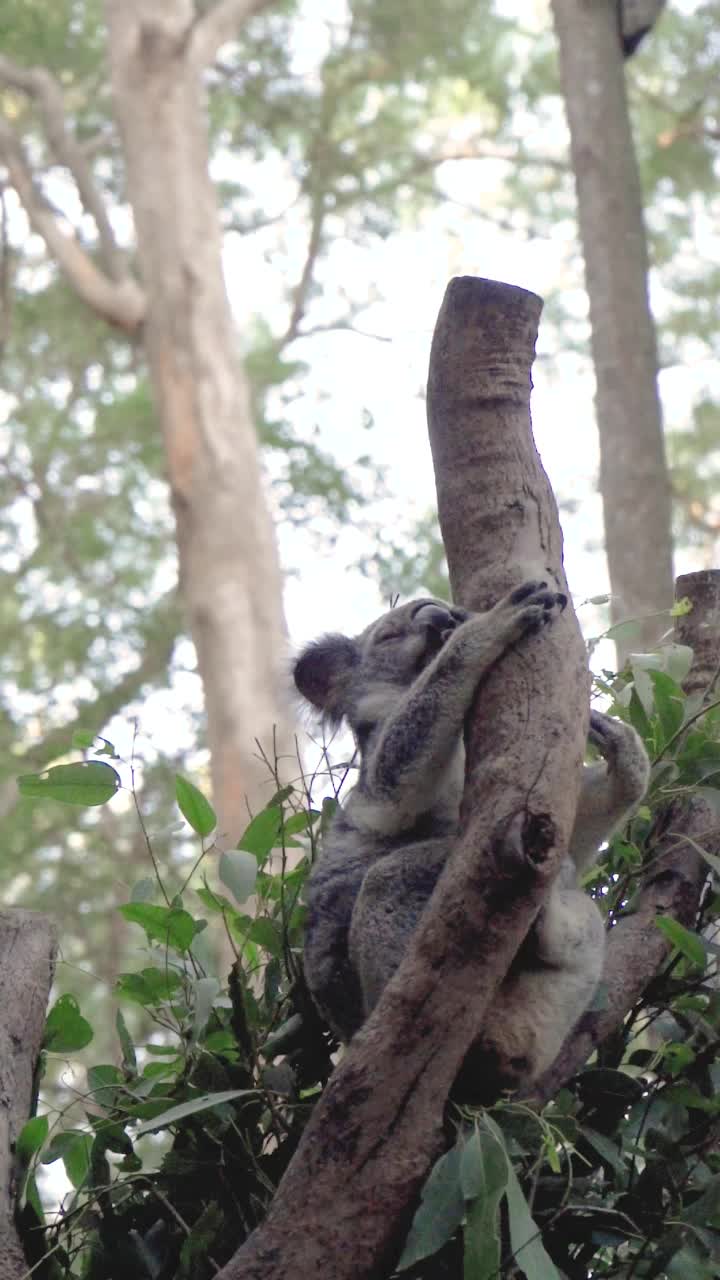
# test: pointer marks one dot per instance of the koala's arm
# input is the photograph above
(417, 743)
(611, 789)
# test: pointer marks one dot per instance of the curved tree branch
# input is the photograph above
(111, 292)
(41, 85)
(379, 1122)
(221, 23)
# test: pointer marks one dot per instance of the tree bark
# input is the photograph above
(343, 1205)
(677, 872)
(229, 570)
(27, 962)
(633, 473)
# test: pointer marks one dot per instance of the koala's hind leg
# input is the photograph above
(611, 789)
(394, 893)
(549, 987)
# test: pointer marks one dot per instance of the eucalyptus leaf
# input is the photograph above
(440, 1212)
(525, 1238)
(687, 943)
(194, 807)
(202, 1103)
(484, 1178)
(87, 783)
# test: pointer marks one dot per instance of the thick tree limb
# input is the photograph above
(223, 22)
(700, 628)
(677, 872)
(27, 961)
(120, 302)
(378, 1125)
(41, 85)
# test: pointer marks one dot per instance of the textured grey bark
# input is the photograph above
(677, 872)
(342, 1208)
(229, 570)
(633, 474)
(27, 960)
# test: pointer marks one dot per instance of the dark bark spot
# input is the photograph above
(538, 837)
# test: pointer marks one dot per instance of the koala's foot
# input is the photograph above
(622, 748)
(529, 608)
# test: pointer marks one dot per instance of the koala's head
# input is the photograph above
(359, 678)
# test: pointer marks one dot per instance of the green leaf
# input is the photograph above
(194, 808)
(238, 870)
(198, 1245)
(525, 1239)
(669, 703)
(90, 782)
(440, 1212)
(606, 1149)
(263, 833)
(82, 739)
(151, 987)
(31, 1137)
(303, 821)
(214, 902)
(265, 933)
(202, 1103)
(281, 796)
(484, 1176)
(73, 1148)
(66, 1030)
(31, 1196)
(170, 926)
(687, 943)
(688, 1262)
(103, 1081)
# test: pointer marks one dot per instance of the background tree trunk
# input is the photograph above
(633, 473)
(343, 1204)
(27, 962)
(229, 569)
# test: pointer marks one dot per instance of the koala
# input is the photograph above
(404, 686)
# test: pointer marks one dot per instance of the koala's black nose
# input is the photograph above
(434, 616)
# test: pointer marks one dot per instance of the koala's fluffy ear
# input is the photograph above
(323, 671)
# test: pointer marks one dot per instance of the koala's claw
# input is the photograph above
(542, 609)
(527, 589)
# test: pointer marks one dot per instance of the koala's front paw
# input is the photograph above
(530, 607)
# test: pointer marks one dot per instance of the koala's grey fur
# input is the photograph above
(405, 686)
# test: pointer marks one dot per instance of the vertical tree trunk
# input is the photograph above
(27, 961)
(633, 474)
(228, 561)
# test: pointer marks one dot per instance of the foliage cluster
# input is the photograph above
(618, 1176)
